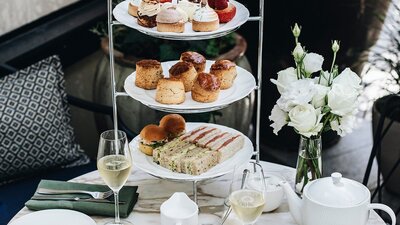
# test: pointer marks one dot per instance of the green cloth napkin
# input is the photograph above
(127, 194)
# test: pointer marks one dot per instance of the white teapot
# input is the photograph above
(333, 201)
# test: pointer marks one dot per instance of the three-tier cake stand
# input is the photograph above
(258, 86)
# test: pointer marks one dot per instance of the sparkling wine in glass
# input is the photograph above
(247, 197)
(114, 164)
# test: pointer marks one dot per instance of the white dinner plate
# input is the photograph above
(146, 163)
(54, 217)
(120, 13)
(243, 85)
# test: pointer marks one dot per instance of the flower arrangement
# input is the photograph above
(314, 101)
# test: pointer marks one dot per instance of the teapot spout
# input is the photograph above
(294, 201)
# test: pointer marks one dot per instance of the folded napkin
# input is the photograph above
(127, 194)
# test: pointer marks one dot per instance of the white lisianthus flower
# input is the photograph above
(343, 125)
(285, 77)
(299, 92)
(279, 119)
(342, 99)
(298, 52)
(306, 120)
(324, 79)
(349, 78)
(318, 99)
(313, 62)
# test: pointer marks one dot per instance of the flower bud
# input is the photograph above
(296, 30)
(335, 46)
(298, 52)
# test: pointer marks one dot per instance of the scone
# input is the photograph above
(205, 19)
(133, 7)
(185, 72)
(225, 70)
(170, 20)
(170, 91)
(206, 88)
(147, 13)
(198, 61)
(148, 73)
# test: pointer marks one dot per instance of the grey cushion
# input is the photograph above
(35, 133)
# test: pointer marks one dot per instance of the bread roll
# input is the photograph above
(206, 88)
(148, 73)
(225, 70)
(174, 125)
(185, 72)
(170, 91)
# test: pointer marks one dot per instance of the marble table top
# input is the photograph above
(211, 195)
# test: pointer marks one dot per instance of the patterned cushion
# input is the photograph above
(35, 133)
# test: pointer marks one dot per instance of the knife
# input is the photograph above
(77, 199)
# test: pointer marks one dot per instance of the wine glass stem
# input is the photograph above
(116, 200)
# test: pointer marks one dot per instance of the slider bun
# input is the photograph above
(146, 149)
(173, 124)
(152, 133)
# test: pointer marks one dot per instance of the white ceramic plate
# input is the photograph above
(120, 12)
(243, 86)
(54, 217)
(146, 163)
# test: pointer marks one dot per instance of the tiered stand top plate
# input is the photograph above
(243, 85)
(146, 163)
(120, 13)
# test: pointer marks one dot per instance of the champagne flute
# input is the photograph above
(247, 197)
(114, 164)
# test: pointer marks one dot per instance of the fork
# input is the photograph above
(94, 194)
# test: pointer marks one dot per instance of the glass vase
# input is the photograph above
(309, 162)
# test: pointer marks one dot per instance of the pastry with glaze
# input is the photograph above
(198, 60)
(206, 88)
(148, 73)
(225, 70)
(185, 72)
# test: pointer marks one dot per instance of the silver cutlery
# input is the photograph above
(58, 198)
(94, 194)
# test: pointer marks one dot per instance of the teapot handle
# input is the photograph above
(384, 208)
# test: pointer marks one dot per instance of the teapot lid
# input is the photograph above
(336, 191)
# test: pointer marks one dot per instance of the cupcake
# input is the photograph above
(133, 7)
(206, 88)
(225, 70)
(170, 20)
(188, 7)
(198, 60)
(147, 13)
(183, 13)
(148, 73)
(170, 91)
(205, 19)
(185, 72)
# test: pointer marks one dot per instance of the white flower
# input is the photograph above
(343, 125)
(313, 62)
(279, 118)
(299, 92)
(318, 99)
(306, 120)
(342, 99)
(324, 78)
(348, 78)
(298, 52)
(285, 77)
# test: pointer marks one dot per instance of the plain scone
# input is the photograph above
(170, 91)
(148, 73)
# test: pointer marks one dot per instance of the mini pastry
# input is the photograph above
(185, 72)
(174, 125)
(147, 13)
(205, 19)
(188, 7)
(198, 60)
(206, 88)
(225, 70)
(170, 91)
(133, 7)
(181, 11)
(170, 20)
(148, 73)
(225, 10)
